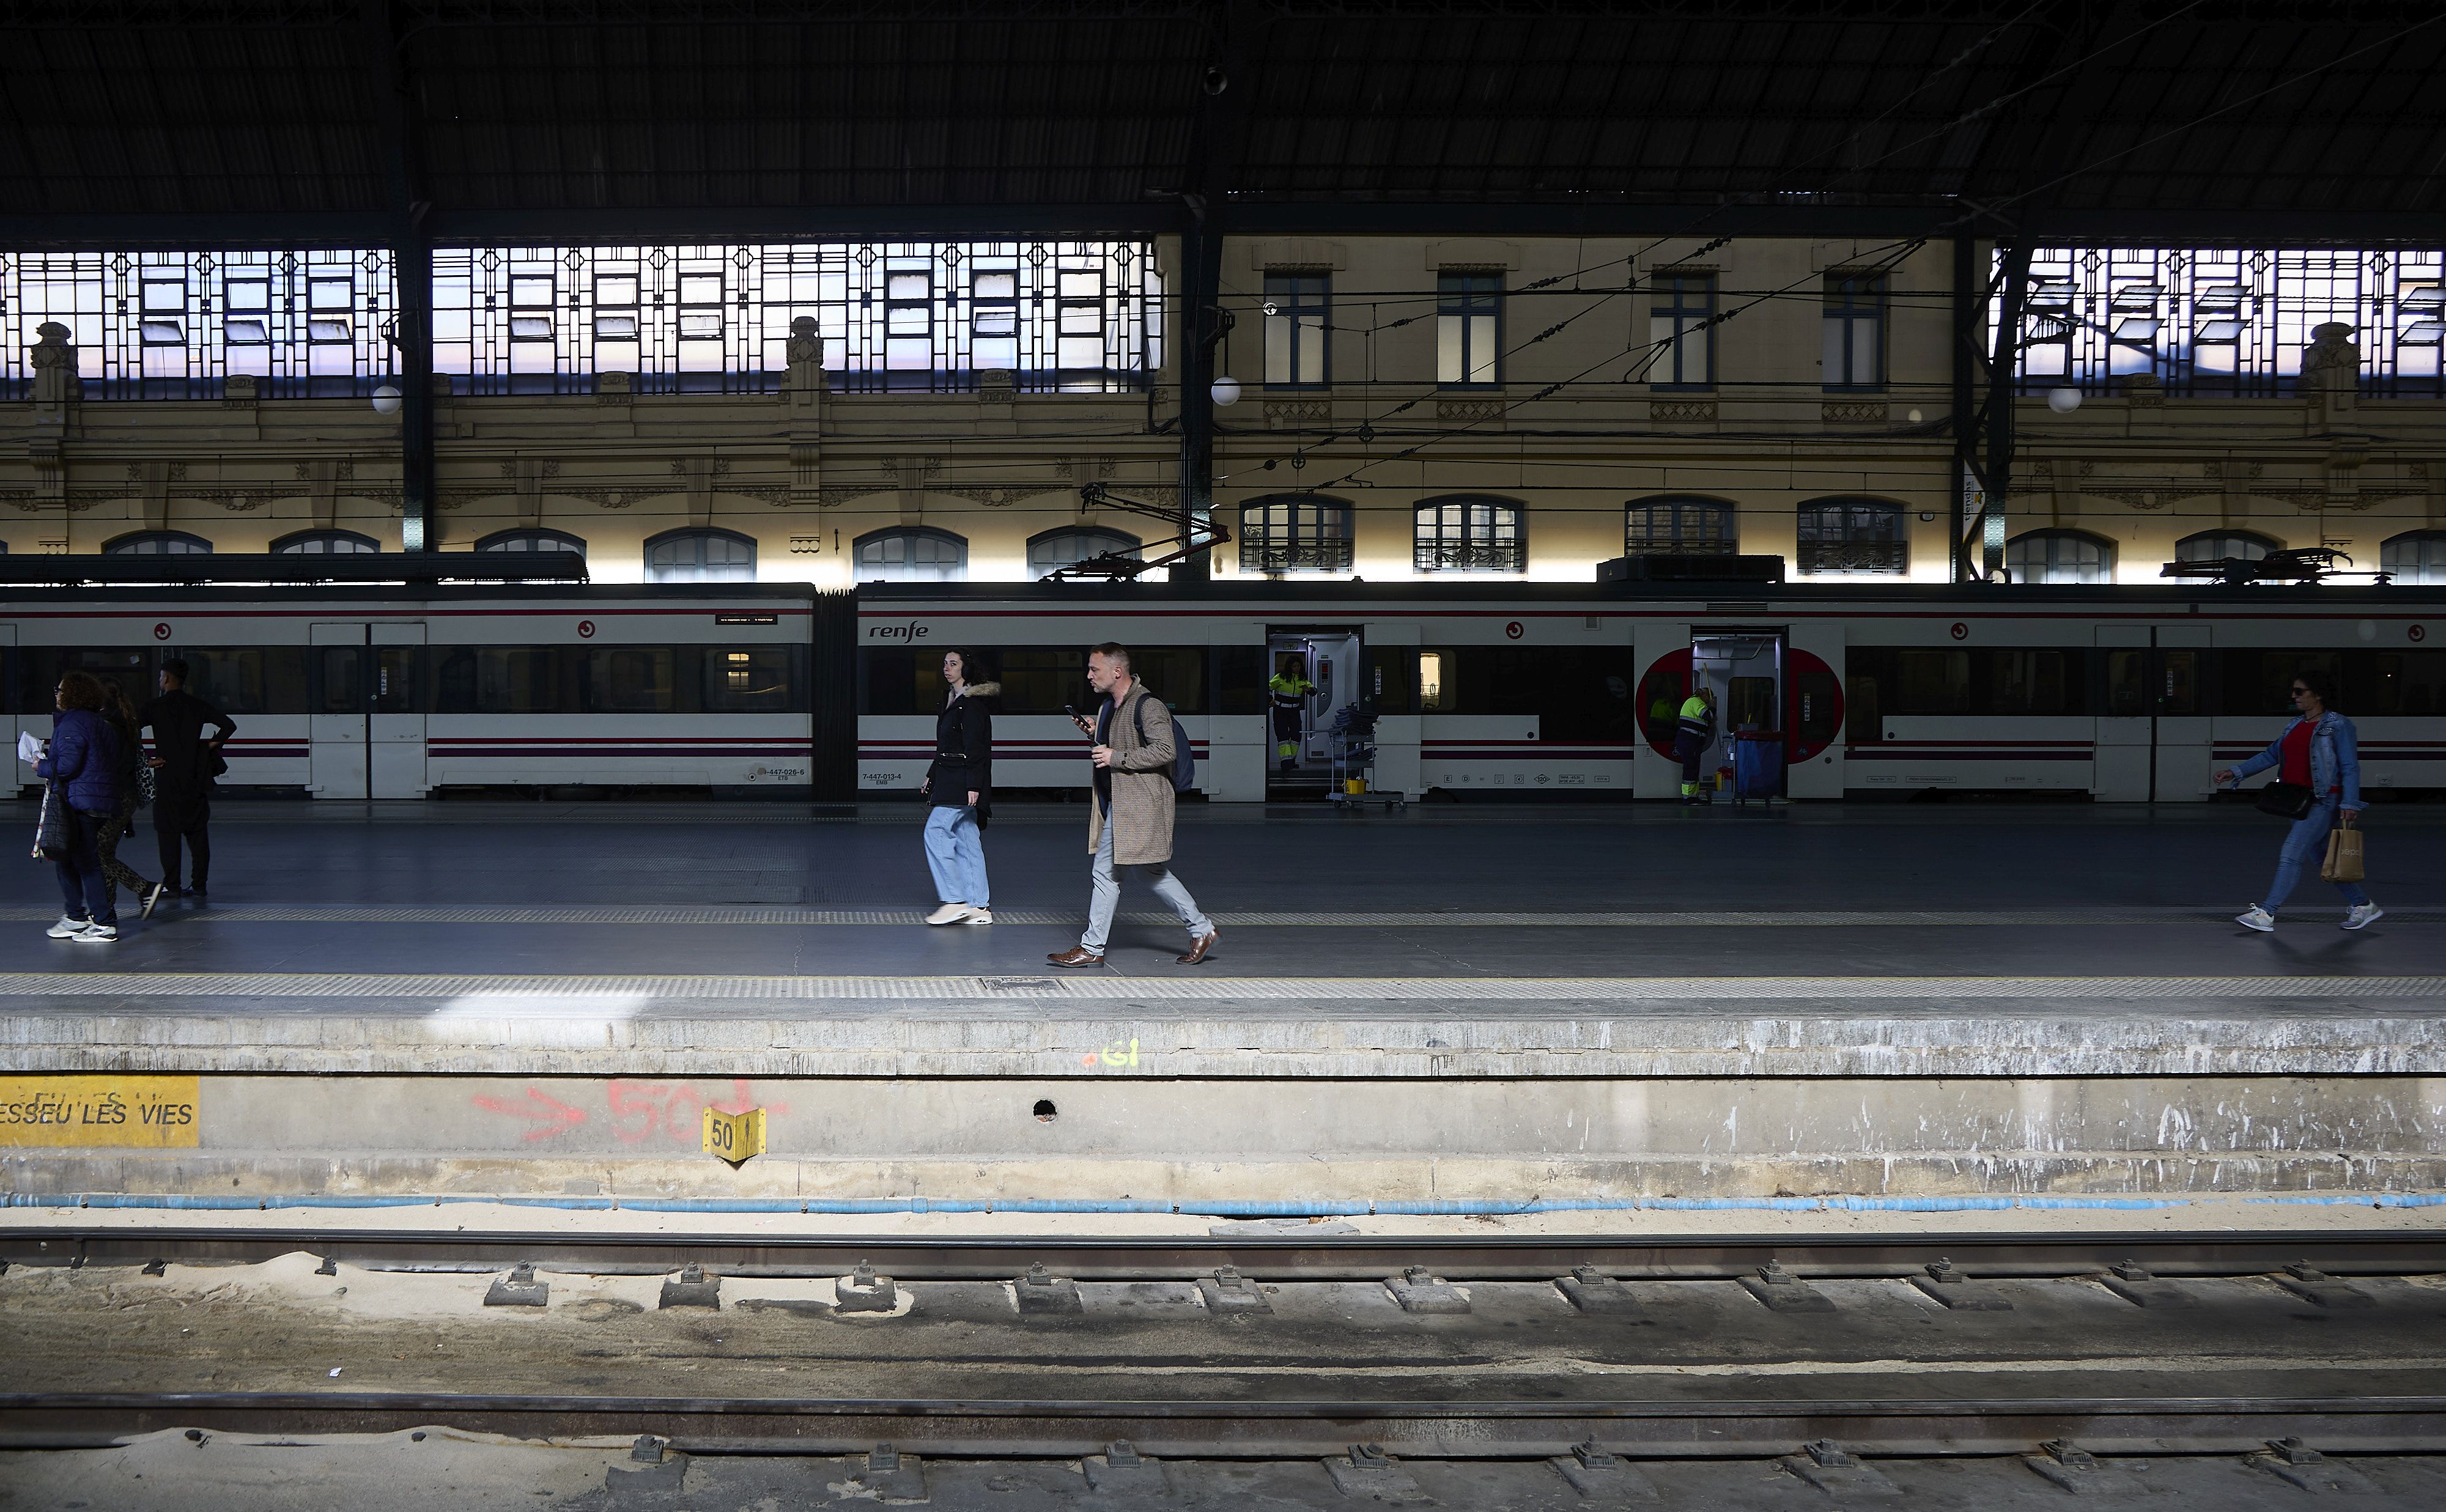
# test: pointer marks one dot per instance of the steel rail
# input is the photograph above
(1291, 1257)
(1425, 1428)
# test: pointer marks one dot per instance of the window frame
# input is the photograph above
(2428, 537)
(912, 533)
(1478, 546)
(1850, 553)
(1468, 296)
(1321, 528)
(1118, 542)
(2264, 541)
(1851, 300)
(1298, 313)
(1681, 544)
(2108, 552)
(561, 540)
(133, 543)
(699, 536)
(1700, 325)
(296, 542)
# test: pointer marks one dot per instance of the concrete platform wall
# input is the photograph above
(1242, 1140)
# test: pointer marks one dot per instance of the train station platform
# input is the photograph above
(1446, 1009)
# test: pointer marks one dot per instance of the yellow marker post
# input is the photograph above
(734, 1137)
(105, 1112)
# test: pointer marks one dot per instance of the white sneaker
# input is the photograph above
(949, 913)
(67, 928)
(2257, 918)
(981, 916)
(100, 934)
(2363, 915)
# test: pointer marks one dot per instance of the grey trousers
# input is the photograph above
(1106, 896)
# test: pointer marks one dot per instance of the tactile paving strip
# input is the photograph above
(767, 914)
(1099, 986)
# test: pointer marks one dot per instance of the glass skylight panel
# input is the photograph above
(2219, 330)
(2136, 330)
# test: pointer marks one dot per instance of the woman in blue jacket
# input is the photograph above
(2321, 752)
(85, 765)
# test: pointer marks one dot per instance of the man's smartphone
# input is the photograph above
(1078, 719)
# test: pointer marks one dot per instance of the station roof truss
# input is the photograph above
(501, 121)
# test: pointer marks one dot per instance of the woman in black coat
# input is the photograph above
(959, 793)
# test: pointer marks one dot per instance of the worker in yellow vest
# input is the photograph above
(1693, 733)
(1288, 691)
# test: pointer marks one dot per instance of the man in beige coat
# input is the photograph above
(1130, 822)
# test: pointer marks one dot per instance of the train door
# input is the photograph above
(24, 774)
(2182, 753)
(1312, 673)
(1744, 668)
(2125, 759)
(335, 724)
(395, 718)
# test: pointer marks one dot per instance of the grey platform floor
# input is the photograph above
(1869, 913)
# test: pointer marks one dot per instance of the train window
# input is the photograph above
(627, 680)
(1439, 690)
(1176, 673)
(340, 679)
(39, 668)
(2408, 682)
(1932, 683)
(1387, 686)
(891, 681)
(247, 680)
(2260, 683)
(2032, 681)
(396, 679)
(497, 679)
(1240, 674)
(1864, 713)
(2127, 685)
(754, 681)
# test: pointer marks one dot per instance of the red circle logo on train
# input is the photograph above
(2419, 632)
(1960, 631)
(1514, 629)
(161, 631)
(586, 629)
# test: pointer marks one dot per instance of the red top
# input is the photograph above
(2293, 761)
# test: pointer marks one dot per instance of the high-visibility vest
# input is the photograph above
(1698, 718)
(1288, 690)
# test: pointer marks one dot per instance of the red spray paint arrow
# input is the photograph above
(552, 1113)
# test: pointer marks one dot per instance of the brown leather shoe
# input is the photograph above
(1076, 956)
(1198, 952)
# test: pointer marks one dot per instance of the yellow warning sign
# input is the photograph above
(734, 1137)
(141, 1112)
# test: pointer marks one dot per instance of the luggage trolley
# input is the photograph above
(1350, 740)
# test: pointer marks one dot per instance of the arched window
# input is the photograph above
(1670, 523)
(530, 539)
(1470, 532)
(1295, 533)
(1853, 536)
(2416, 556)
(700, 555)
(2218, 546)
(2060, 556)
(1073, 544)
(157, 543)
(325, 543)
(911, 554)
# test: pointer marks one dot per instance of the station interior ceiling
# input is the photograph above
(330, 121)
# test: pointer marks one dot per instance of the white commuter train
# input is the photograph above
(390, 692)
(2122, 694)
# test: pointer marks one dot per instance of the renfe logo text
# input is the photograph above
(910, 631)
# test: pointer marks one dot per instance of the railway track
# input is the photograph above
(1291, 1256)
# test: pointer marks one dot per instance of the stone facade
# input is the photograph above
(1575, 426)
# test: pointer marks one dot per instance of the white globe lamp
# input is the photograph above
(1225, 391)
(387, 400)
(2063, 400)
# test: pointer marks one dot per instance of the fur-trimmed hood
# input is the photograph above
(981, 690)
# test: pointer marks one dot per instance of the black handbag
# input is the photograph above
(2286, 800)
(51, 839)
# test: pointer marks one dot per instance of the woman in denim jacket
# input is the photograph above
(2321, 752)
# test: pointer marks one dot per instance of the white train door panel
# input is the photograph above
(335, 725)
(2185, 753)
(1396, 735)
(395, 729)
(2125, 759)
(24, 774)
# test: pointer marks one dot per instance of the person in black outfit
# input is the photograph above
(959, 795)
(185, 764)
